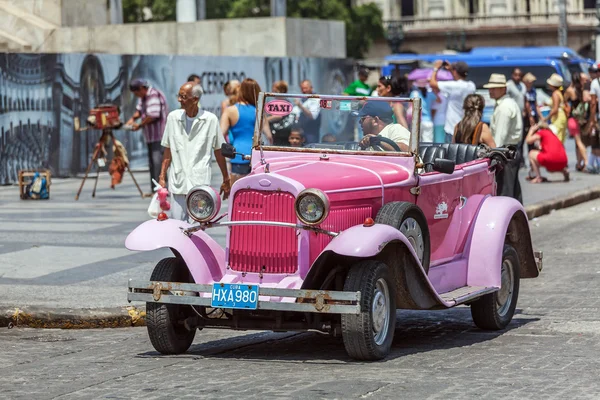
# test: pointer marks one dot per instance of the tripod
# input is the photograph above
(107, 135)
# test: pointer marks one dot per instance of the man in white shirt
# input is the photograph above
(456, 91)
(308, 114)
(376, 119)
(506, 126)
(516, 89)
(190, 135)
(594, 91)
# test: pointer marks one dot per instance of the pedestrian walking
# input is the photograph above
(506, 126)
(516, 88)
(456, 92)
(551, 155)
(190, 135)
(421, 90)
(240, 119)
(230, 89)
(359, 87)
(577, 99)
(152, 109)
(471, 129)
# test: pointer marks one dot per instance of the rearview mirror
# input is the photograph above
(444, 166)
(227, 150)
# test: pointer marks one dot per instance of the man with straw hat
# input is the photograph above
(507, 127)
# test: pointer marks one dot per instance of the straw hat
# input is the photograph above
(496, 81)
(529, 77)
(555, 80)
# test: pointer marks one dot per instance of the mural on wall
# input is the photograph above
(41, 94)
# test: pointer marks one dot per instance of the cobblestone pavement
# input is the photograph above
(550, 351)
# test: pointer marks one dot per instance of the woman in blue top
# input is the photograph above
(239, 119)
(427, 96)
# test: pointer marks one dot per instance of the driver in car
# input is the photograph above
(376, 119)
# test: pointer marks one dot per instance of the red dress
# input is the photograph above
(552, 155)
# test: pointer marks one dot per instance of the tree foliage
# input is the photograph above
(364, 24)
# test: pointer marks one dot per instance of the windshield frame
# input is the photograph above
(415, 126)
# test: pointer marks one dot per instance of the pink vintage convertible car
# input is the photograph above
(356, 220)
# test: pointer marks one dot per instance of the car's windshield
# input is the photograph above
(337, 123)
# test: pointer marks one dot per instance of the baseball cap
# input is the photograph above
(461, 68)
(137, 84)
(594, 68)
(380, 109)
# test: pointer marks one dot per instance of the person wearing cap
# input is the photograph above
(359, 87)
(152, 109)
(376, 120)
(557, 116)
(532, 109)
(456, 91)
(507, 127)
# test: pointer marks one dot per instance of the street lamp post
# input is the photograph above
(395, 36)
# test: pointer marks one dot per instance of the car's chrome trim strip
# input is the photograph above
(196, 228)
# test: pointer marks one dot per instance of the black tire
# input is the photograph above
(164, 321)
(358, 331)
(490, 312)
(397, 213)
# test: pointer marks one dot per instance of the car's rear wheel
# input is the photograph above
(410, 220)
(165, 321)
(369, 335)
(494, 311)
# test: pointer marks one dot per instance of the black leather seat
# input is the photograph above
(460, 153)
(429, 153)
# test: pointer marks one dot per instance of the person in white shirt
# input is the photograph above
(308, 114)
(456, 91)
(190, 135)
(507, 127)
(516, 89)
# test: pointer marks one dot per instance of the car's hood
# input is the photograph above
(339, 172)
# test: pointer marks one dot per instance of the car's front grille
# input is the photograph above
(267, 249)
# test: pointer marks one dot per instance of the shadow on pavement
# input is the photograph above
(416, 332)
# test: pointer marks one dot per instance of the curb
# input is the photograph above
(65, 318)
(39, 317)
(557, 203)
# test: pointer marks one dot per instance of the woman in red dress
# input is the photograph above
(552, 155)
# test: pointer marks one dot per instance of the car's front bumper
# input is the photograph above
(295, 300)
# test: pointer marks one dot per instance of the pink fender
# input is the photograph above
(202, 255)
(499, 219)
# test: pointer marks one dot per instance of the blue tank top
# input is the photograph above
(243, 132)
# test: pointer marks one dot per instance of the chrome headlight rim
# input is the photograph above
(213, 195)
(320, 196)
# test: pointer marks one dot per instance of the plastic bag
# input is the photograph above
(154, 207)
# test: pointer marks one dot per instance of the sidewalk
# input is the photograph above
(70, 255)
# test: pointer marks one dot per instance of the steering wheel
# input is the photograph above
(379, 139)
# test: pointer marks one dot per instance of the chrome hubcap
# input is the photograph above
(504, 295)
(411, 229)
(380, 311)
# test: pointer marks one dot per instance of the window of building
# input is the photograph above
(587, 4)
(408, 8)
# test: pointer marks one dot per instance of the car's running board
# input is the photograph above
(466, 293)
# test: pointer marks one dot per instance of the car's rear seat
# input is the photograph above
(460, 153)
(430, 153)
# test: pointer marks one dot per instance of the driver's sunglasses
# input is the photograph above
(362, 119)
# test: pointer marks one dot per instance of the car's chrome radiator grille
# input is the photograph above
(268, 249)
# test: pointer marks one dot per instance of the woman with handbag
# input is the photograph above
(578, 101)
(471, 129)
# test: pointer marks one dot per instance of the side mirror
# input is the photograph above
(227, 150)
(444, 166)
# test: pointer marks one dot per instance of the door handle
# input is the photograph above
(463, 202)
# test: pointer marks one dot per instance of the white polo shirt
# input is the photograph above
(191, 153)
(455, 91)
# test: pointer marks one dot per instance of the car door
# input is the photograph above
(440, 200)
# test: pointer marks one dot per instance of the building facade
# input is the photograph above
(437, 25)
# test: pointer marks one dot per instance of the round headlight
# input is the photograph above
(203, 203)
(312, 206)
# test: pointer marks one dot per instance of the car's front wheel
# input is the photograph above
(165, 321)
(369, 335)
(494, 311)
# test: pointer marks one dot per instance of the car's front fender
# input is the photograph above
(204, 257)
(500, 219)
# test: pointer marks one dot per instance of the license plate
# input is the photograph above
(234, 295)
